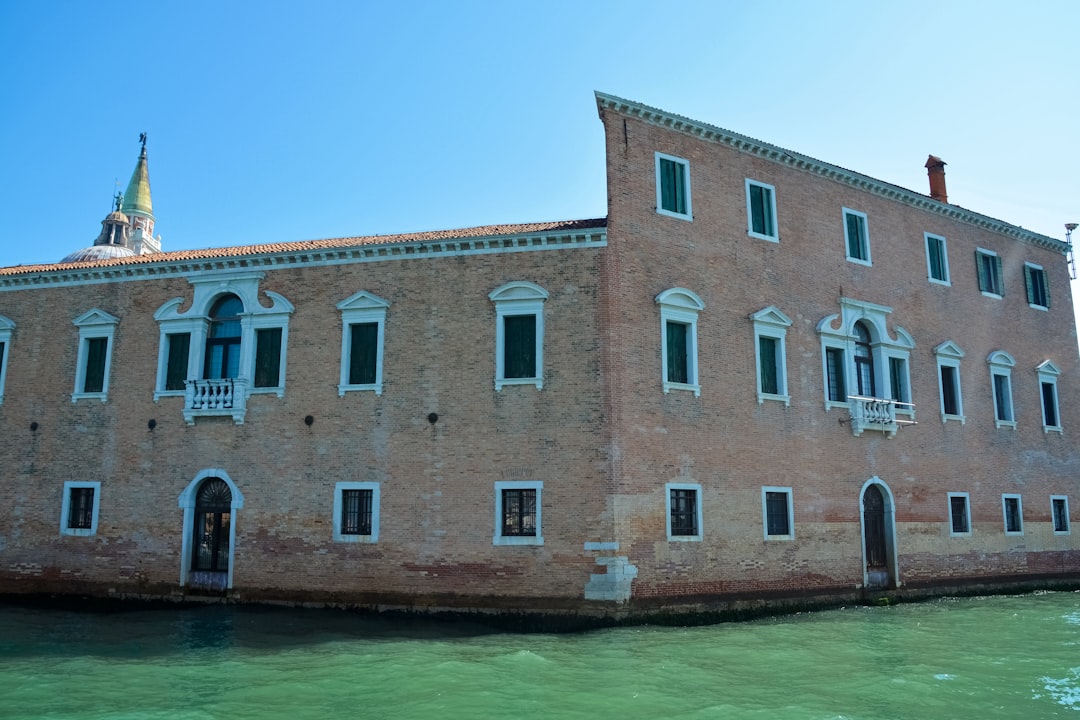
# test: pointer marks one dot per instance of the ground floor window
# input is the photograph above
(683, 511)
(518, 513)
(1014, 517)
(778, 513)
(356, 512)
(1059, 507)
(959, 514)
(79, 509)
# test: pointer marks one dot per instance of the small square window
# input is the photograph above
(1038, 292)
(988, 264)
(683, 511)
(761, 210)
(79, 508)
(856, 237)
(1014, 515)
(1059, 509)
(778, 512)
(356, 512)
(673, 187)
(959, 515)
(937, 259)
(518, 513)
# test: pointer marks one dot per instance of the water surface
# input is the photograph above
(997, 657)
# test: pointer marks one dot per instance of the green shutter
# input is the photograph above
(767, 354)
(177, 368)
(999, 278)
(1029, 282)
(672, 186)
(268, 357)
(856, 246)
(519, 346)
(363, 353)
(677, 369)
(96, 352)
(1045, 289)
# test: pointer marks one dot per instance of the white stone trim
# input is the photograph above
(498, 538)
(1001, 364)
(698, 519)
(948, 355)
(775, 237)
(1068, 520)
(375, 500)
(999, 273)
(765, 490)
(1029, 269)
(864, 241)
(93, 324)
(680, 305)
(358, 309)
(1048, 374)
(685, 164)
(890, 522)
(770, 322)
(1005, 498)
(947, 280)
(515, 299)
(967, 514)
(65, 508)
(186, 502)
(7, 328)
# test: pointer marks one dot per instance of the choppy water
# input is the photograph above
(1000, 657)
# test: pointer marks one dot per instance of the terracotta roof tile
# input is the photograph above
(313, 245)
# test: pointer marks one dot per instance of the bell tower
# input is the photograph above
(139, 208)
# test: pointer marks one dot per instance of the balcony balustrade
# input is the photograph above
(209, 398)
(880, 414)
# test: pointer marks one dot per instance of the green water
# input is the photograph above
(1000, 657)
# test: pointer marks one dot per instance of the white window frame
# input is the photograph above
(765, 490)
(947, 280)
(93, 324)
(770, 323)
(689, 214)
(1005, 498)
(1068, 520)
(697, 512)
(1029, 269)
(967, 514)
(680, 305)
(949, 355)
(498, 538)
(864, 240)
(359, 309)
(339, 488)
(1048, 374)
(775, 237)
(207, 288)
(1001, 364)
(65, 508)
(6, 329)
(998, 273)
(512, 299)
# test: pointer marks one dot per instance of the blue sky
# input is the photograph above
(286, 121)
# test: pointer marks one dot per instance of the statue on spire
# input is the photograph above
(142, 139)
(119, 200)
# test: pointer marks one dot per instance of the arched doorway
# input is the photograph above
(210, 503)
(878, 536)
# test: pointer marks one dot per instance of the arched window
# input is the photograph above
(864, 361)
(223, 340)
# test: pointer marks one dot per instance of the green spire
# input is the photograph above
(137, 197)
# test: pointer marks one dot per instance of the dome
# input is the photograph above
(99, 252)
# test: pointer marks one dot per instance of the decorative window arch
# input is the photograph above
(186, 345)
(92, 368)
(1048, 374)
(519, 334)
(949, 355)
(679, 309)
(363, 328)
(770, 333)
(6, 329)
(858, 352)
(1001, 364)
(188, 500)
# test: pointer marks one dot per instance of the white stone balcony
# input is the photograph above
(879, 414)
(216, 398)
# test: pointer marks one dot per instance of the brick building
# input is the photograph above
(761, 378)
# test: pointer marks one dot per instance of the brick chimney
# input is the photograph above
(935, 168)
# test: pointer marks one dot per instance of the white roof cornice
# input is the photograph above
(742, 143)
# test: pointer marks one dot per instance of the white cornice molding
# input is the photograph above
(344, 255)
(742, 143)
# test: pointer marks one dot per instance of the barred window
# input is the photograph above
(356, 508)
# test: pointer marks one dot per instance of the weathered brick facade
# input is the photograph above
(601, 435)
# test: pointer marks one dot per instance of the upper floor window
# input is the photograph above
(518, 513)
(949, 355)
(519, 334)
(937, 259)
(92, 367)
(1038, 292)
(6, 328)
(770, 333)
(988, 264)
(856, 237)
(226, 346)
(1048, 374)
(761, 210)
(673, 186)
(679, 310)
(79, 508)
(1001, 365)
(363, 326)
